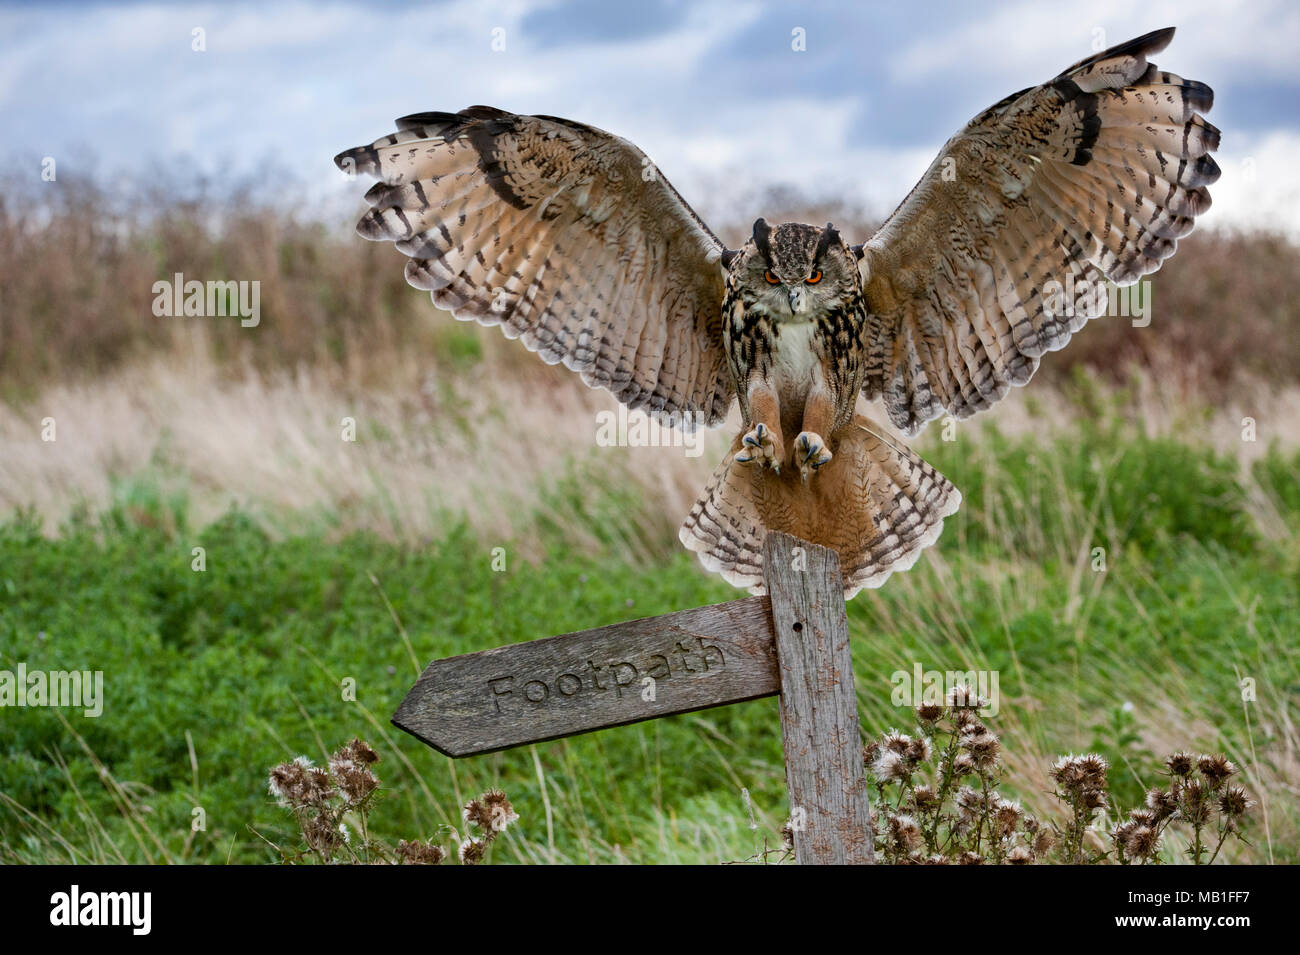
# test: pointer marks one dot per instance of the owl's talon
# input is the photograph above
(760, 445)
(810, 453)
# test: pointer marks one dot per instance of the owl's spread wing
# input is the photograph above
(1000, 252)
(565, 236)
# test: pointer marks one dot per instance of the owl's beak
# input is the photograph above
(796, 300)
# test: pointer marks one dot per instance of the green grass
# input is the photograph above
(212, 677)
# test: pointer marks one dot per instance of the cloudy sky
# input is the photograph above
(715, 92)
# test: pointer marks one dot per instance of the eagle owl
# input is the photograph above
(568, 238)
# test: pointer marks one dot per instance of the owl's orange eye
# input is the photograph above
(771, 279)
(815, 277)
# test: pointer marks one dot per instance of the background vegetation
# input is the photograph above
(329, 560)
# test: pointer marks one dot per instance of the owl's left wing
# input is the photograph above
(1001, 251)
(567, 238)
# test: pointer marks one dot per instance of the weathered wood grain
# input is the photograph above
(819, 708)
(578, 682)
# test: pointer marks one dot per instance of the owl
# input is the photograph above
(569, 239)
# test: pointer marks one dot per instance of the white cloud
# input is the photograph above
(1259, 187)
(297, 82)
(1034, 41)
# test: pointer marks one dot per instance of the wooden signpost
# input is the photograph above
(794, 641)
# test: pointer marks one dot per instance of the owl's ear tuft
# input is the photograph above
(763, 239)
(829, 237)
(729, 256)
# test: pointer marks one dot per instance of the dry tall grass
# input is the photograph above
(430, 440)
(450, 416)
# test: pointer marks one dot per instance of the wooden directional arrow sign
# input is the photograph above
(577, 682)
(795, 643)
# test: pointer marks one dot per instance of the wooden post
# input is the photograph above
(829, 806)
(794, 641)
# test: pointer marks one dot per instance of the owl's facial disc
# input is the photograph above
(796, 272)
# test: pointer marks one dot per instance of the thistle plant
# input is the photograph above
(1081, 784)
(489, 815)
(1197, 795)
(936, 792)
(332, 807)
(937, 800)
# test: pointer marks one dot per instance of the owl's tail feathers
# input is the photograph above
(876, 503)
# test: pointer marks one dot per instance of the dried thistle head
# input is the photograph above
(1093, 798)
(917, 751)
(1193, 792)
(1020, 855)
(471, 851)
(491, 812)
(476, 814)
(929, 713)
(1136, 840)
(299, 784)
(500, 813)
(1234, 802)
(354, 779)
(903, 833)
(1162, 804)
(1006, 816)
(1180, 764)
(1143, 842)
(1143, 817)
(281, 782)
(420, 853)
(1094, 769)
(1078, 774)
(983, 747)
(1215, 769)
(890, 767)
(971, 802)
(970, 858)
(895, 742)
(1042, 842)
(358, 751)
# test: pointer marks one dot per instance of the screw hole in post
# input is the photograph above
(798, 628)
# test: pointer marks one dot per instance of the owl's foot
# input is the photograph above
(761, 445)
(810, 453)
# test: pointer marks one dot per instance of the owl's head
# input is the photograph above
(794, 272)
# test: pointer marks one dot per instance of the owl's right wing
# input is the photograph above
(565, 236)
(1002, 250)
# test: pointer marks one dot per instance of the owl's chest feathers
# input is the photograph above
(795, 355)
(782, 354)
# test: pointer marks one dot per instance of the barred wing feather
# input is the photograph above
(567, 238)
(1001, 252)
